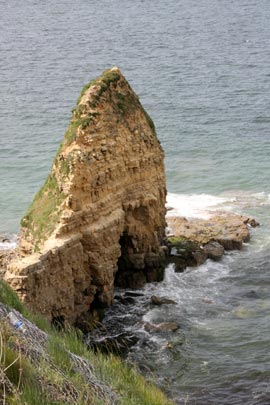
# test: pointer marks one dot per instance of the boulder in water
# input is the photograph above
(155, 300)
(161, 327)
(214, 250)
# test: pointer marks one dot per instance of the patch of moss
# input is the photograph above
(84, 122)
(120, 96)
(183, 246)
(44, 211)
(65, 167)
(85, 87)
(71, 132)
(109, 76)
(78, 110)
(122, 103)
(104, 81)
(149, 120)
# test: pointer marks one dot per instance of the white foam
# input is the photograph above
(11, 243)
(196, 205)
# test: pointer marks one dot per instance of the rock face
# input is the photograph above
(5, 257)
(100, 217)
(214, 250)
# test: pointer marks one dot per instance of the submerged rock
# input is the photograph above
(161, 327)
(4, 239)
(155, 300)
(118, 343)
(101, 211)
(252, 294)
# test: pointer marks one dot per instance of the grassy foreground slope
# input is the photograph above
(45, 366)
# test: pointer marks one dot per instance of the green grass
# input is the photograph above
(149, 120)
(58, 353)
(9, 298)
(104, 81)
(43, 382)
(128, 382)
(71, 132)
(76, 123)
(44, 212)
(19, 371)
(184, 247)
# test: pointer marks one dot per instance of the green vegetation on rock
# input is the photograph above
(149, 120)
(44, 211)
(71, 132)
(184, 247)
(103, 82)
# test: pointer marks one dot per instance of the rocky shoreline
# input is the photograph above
(192, 241)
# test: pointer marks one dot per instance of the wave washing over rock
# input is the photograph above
(99, 219)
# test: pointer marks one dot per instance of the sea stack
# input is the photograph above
(99, 219)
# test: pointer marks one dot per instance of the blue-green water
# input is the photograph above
(201, 70)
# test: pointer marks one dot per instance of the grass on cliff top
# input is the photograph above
(28, 380)
(104, 81)
(123, 103)
(44, 212)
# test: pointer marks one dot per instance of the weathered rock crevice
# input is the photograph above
(101, 212)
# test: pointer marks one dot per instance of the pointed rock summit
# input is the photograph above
(99, 219)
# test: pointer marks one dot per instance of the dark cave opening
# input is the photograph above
(130, 265)
(123, 262)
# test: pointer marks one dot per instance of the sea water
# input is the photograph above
(201, 70)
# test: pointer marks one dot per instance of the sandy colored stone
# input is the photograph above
(214, 250)
(104, 199)
(6, 256)
(229, 230)
(155, 300)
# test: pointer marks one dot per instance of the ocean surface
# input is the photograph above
(201, 70)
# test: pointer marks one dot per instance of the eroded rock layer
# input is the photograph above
(101, 213)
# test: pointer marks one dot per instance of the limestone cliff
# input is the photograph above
(100, 217)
